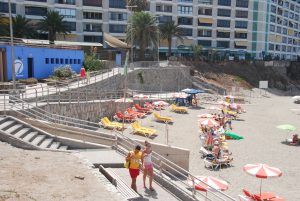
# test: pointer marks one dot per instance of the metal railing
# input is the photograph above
(168, 171)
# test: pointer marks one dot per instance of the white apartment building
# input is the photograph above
(259, 27)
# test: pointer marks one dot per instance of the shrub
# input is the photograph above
(63, 71)
(91, 63)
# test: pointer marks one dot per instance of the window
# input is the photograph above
(94, 39)
(240, 35)
(75, 61)
(117, 4)
(186, 1)
(71, 61)
(46, 60)
(39, 11)
(66, 12)
(272, 28)
(241, 24)
(118, 16)
(61, 61)
(204, 33)
(272, 18)
(271, 46)
(221, 34)
(224, 2)
(186, 32)
(185, 21)
(278, 30)
(163, 19)
(204, 43)
(205, 11)
(223, 23)
(57, 61)
(92, 15)
(242, 3)
(96, 3)
(71, 25)
(223, 44)
(4, 7)
(66, 61)
(52, 60)
(224, 12)
(185, 9)
(273, 9)
(70, 2)
(78, 61)
(241, 14)
(117, 28)
(164, 8)
(284, 31)
(93, 27)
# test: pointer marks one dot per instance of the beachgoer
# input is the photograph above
(295, 138)
(216, 149)
(82, 74)
(134, 157)
(147, 165)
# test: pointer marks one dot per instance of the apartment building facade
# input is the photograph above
(259, 27)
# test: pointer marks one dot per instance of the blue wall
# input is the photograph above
(44, 60)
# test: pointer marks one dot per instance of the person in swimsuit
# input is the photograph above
(134, 168)
(147, 165)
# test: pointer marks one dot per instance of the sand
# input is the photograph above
(47, 176)
(262, 144)
(38, 175)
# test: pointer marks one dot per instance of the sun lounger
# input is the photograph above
(148, 105)
(217, 163)
(121, 117)
(177, 109)
(245, 198)
(138, 129)
(106, 123)
(134, 113)
(162, 119)
(142, 109)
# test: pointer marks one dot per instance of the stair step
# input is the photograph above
(14, 128)
(6, 124)
(2, 119)
(38, 139)
(46, 143)
(54, 145)
(63, 148)
(30, 136)
(22, 132)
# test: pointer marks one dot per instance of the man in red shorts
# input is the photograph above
(134, 157)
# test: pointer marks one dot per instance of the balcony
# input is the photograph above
(96, 3)
(68, 2)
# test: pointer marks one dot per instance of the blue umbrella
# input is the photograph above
(192, 91)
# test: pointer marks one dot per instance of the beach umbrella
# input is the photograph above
(229, 96)
(287, 127)
(180, 95)
(122, 100)
(233, 136)
(296, 98)
(141, 96)
(208, 122)
(160, 103)
(206, 116)
(205, 183)
(192, 91)
(262, 171)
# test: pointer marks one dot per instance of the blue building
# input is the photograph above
(37, 62)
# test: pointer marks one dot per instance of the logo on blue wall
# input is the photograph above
(19, 67)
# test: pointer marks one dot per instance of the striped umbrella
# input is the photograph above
(205, 183)
(180, 95)
(234, 106)
(141, 96)
(208, 122)
(262, 171)
(209, 140)
(206, 116)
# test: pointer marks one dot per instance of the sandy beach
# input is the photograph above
(37, 175)
(262, 144)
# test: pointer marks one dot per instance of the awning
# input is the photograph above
(71, 43)
(241, 31)
(114, 42)
(272, 37)
(206, 20)
(241, 43)
(224, 31)
(185, 42)
(290, 32)
(278, 39)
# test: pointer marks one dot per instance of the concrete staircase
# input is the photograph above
(23, 135)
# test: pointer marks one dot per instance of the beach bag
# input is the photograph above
(126, 164)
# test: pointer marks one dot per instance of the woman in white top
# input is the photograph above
(147, 165)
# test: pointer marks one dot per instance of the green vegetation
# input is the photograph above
(169, 30)
(197, 49)
(91, 63)
(28, 81)
(140, 77)
(63, 72)
(143, 30)
(53, 23)
(141, 5)
(22, 27)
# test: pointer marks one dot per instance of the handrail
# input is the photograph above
(159, 161)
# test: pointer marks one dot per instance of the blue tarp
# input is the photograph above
(192, 91)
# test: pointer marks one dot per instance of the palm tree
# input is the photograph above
(53, 24)
(22, 28)
(141, 5)
(142, 28)
(2, 25)
(197, 49)
(168, 30)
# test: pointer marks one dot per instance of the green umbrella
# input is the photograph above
(287, 127)
(233, 136)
